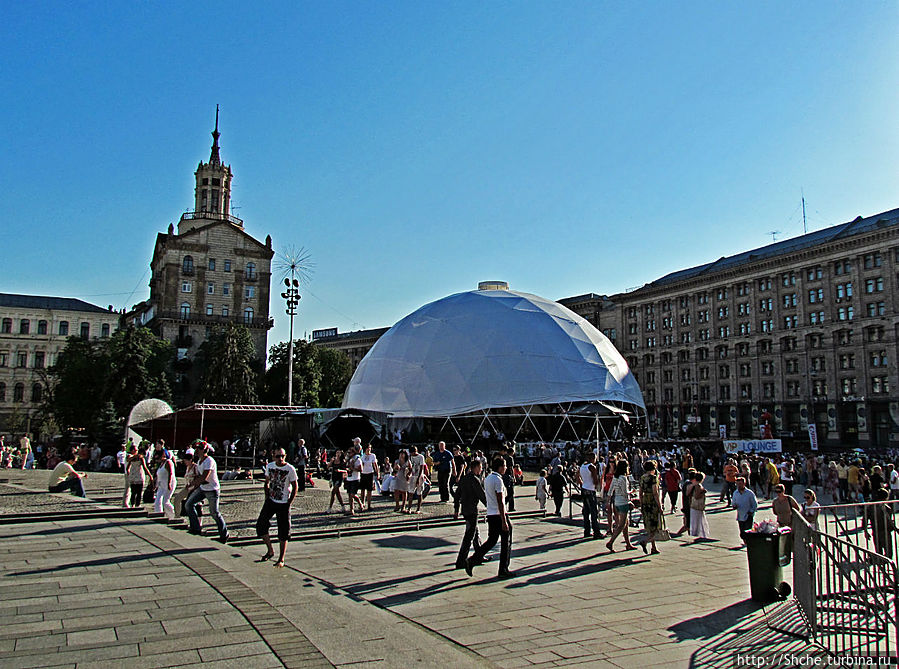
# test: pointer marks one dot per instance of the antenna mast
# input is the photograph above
(804, 225)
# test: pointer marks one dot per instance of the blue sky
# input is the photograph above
(417, 148)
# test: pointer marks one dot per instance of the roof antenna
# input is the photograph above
(774, 234)
(804, 225)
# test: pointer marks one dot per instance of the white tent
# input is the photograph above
(486, 349)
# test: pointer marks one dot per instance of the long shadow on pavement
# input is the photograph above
(111, 561)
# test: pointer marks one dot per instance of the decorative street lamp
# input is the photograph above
(292, 295)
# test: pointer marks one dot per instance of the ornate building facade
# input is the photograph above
(33, 330)
(799, 331)
(208, 272)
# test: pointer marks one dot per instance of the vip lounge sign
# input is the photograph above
(753, 446)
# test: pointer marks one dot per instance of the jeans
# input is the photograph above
(495, 531)
(745, 525)
(469, 539)
(73, 484)
(591, 513)
(190, 506)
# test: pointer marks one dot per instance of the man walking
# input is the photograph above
(370, 472)
(281, 485)
(208, 481)
(302, 456)
(469, 492)
(498, 524)
(746, 504)
(589, 481)
(354, 474)
(446, 468)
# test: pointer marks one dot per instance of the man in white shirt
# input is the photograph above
(589, 482)
(369, 474)
(893, 480)
(281, 485)
(302, 457)
(208, 481)
(354, 474)
(498, 524)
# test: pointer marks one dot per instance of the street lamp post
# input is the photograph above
(292, 295)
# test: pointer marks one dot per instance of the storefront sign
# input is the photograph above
(753, 445)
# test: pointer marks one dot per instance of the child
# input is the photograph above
(541, 491)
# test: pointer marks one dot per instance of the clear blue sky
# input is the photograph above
(417, 148)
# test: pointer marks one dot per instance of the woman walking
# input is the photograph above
(137, 474)
(165, 485)
(832, 482)
(651, 506)
(620, 500)
(699, 524)
(401, 471)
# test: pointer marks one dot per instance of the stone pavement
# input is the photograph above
(134, 593)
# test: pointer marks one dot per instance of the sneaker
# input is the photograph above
(506, 574)
(469, 566)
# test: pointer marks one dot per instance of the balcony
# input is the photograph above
(212, 216)
(202, 319)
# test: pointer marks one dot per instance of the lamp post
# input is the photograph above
(292, 295)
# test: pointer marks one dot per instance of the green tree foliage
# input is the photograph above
(337, 370)
(138, 368)
(230, 368)
(320, 375)
(96, 382)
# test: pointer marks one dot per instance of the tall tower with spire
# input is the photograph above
(212, 194)
(209, 273)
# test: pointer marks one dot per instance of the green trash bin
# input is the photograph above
(765, 572)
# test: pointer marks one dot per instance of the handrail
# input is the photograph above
(211, 215)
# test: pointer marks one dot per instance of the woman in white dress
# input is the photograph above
(619, 494)
(401, 471)
(165, 485)
(416, 480)
(699, 524)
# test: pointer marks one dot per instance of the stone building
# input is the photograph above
(354, 344)
(799, 331)
(33, 330)
(208, 272)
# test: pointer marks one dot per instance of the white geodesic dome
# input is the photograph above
(486, 349)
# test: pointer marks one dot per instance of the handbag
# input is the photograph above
(697, 503)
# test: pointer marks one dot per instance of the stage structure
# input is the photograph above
(500, 360)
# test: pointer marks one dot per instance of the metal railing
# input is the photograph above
(847, 593)
(870, 525)
(212, 216)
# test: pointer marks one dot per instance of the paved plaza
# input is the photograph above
(134, 592)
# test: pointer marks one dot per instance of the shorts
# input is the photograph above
(622, 508)
(352, 487)
(336, 483)
(367, 481)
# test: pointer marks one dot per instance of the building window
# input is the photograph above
(702, 298)
(819, 364)
(4, 358)
(816, 318)
(39, 357)
(667, 376)
(2, 392)
(765, 284)
(791, 322)
(18, 392)
(743, 308)
(666, 305)
(722, 312)
(745, 391)
(227, 265)
(210, 288)
(185, 310)
(704, 393)
(722, 293)
(723, 371)
(85, 330)
(705, 334)
(792, 365)
(224, 311)
(104, 330)
(814, 274)
(844, 337)
(723, 392)
(793, 388)
(874, 285)
(742, 289)
(879, 359)
(844, 290)
(788, 344)
(790, 300)
(212, 264)
(816, 295)
(24, 326)
(788, 279)
(250, 272)
(248, 315)
(226, 289)
(37, 392)
(7, 326)
(21, 359)
(880, 385)
(42, 327)
(766, 304)
(845, 313)
(876, 308)
(686, 337)
(744, 329)
(875, 333)
(704, 373)
(819, 388)
(703, 316)
(815, 341)
(768, 390)
(745, 369)
(872, 260)
(847, 361)
(767, 325)
(210, 310)
(650, 342)
(187, 265)
(186, 287)
(724, 332)
(250, 293)
(848, 386)
(767, 368)
(64, 328)
(684, 302)
(842, 267)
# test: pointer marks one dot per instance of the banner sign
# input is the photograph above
(752, 445)
(813, 436)
(722, 431)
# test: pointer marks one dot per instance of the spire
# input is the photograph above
(214, 158)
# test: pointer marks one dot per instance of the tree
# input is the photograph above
(229, 366)
(78, 391)
(139, 363)
(336, 372)
(306, 373)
